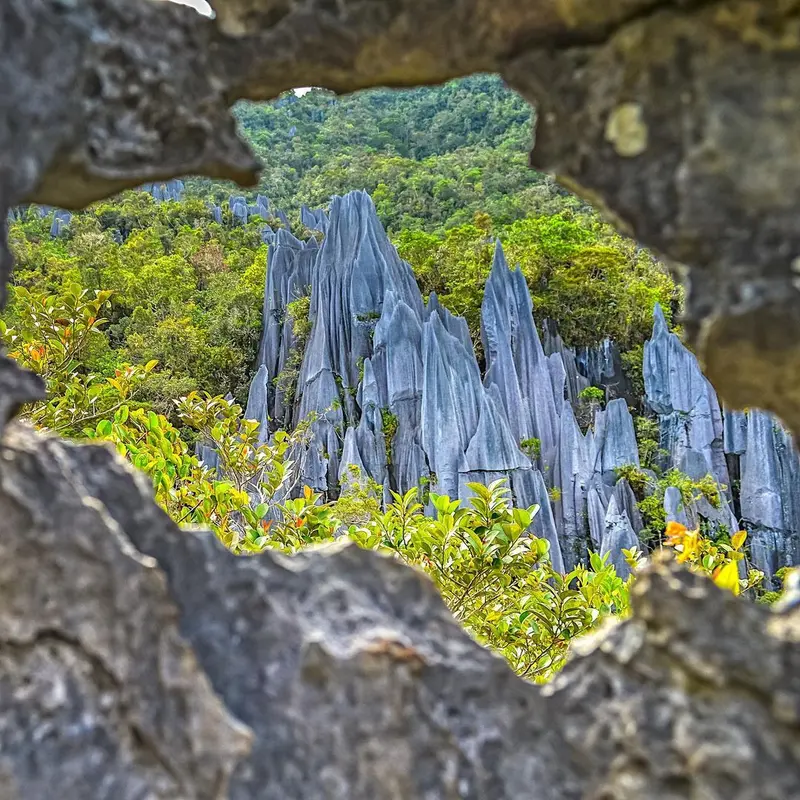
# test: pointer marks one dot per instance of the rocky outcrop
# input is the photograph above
(167, 190)
(166, 667)
(700, 440)
(395, 393)
(172, 74)
(398, 398)
(354, 680)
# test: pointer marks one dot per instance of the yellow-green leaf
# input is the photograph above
(737, 540)
(727, 577)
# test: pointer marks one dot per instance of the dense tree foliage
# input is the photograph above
(183, 290)
(447, 169)
(431, 158)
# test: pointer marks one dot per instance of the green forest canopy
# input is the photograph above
(447, 168)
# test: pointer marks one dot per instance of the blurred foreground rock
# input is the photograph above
(134, 656)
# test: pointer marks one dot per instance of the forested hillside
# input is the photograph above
(431, 158)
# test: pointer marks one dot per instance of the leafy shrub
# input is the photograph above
(286, 381)
(592, 394)
(53, 336)
(390, 424)
(652, 506)
(647, 438)
(495, 576)
(532, 448)
(719, 561)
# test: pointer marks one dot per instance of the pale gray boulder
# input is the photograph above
(614, 440)
(676, 511)
(618, 535)
(493, 447)
(499, 326)
(735, 428)
(60, 224)
(627, 503)
(456, 326)
(315, 219)
(530, 489)
(677, 390)
(369, 433)
(597, 499)
(258, 402)
(571, 478)
(761, 501)
(553, 345)
(452, 391)
(150, 646)
(240, 213)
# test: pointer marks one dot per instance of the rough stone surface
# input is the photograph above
(678, 118)
(351, 675)
(106, 94)
(100, 697)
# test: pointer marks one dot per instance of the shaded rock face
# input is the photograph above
(701, 439)
(166, 667)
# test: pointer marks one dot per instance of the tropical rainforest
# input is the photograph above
(144, 319)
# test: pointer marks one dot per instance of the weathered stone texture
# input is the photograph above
(99, 695)
(679, 118)
(640, 110)
(353, 678)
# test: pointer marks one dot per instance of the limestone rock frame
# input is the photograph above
(140, 661)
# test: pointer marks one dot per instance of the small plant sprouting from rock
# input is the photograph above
(298, 312)
(593, 395)
(532, 448)
(390, 424)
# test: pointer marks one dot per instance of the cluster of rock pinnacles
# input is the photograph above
(378, 351)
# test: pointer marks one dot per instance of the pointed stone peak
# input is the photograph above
(660, 326)
(315, 219)
(285, 238)
(499, 261)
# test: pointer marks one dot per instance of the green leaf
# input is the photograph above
(104, 428)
